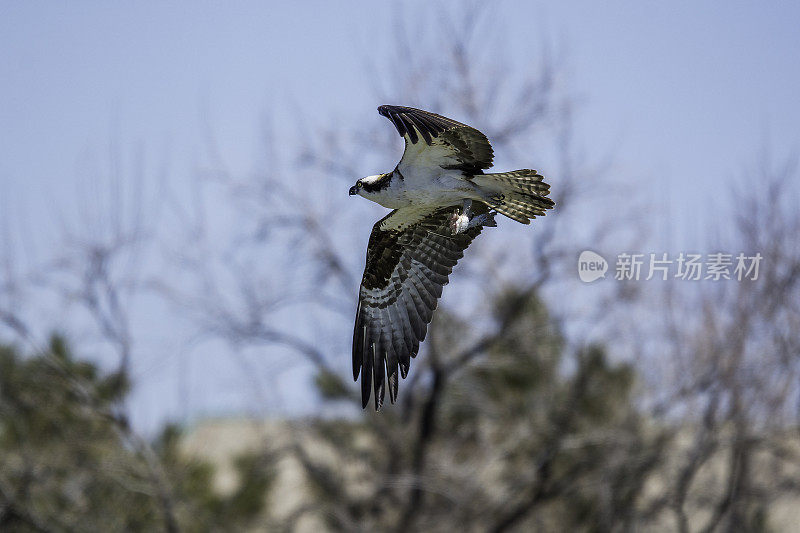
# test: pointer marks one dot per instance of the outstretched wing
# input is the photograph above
(436, 141)
(410, 255)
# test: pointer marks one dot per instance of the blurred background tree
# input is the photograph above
(70, 462)
(501, 441)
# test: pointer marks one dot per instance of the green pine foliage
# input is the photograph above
(69, 462)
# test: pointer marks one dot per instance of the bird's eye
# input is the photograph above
(358, 183)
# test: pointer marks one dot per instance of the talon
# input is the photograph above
(486, 219)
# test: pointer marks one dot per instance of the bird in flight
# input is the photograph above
(441, 200)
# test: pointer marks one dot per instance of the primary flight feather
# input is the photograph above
(441, 200)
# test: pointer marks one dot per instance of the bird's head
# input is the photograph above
(370, 184)
(355, 189)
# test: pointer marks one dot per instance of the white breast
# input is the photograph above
(439, 188)
(424, 187)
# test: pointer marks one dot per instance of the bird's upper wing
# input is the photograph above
(410, 255)
(436, 141)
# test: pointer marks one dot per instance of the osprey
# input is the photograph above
(441, 200)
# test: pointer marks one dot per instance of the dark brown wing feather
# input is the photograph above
(403, 279)
(467, 148)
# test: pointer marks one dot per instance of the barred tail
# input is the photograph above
(520, 195)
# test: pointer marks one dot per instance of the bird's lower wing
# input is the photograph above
(409, 259)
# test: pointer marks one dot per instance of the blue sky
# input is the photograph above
(681, 91)
(684, 94)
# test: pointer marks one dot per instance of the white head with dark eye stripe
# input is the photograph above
(371, 185)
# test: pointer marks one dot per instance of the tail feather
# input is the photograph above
(520, 195)
(511, 213)
(526, 180)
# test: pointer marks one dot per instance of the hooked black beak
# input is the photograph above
(353, 190)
